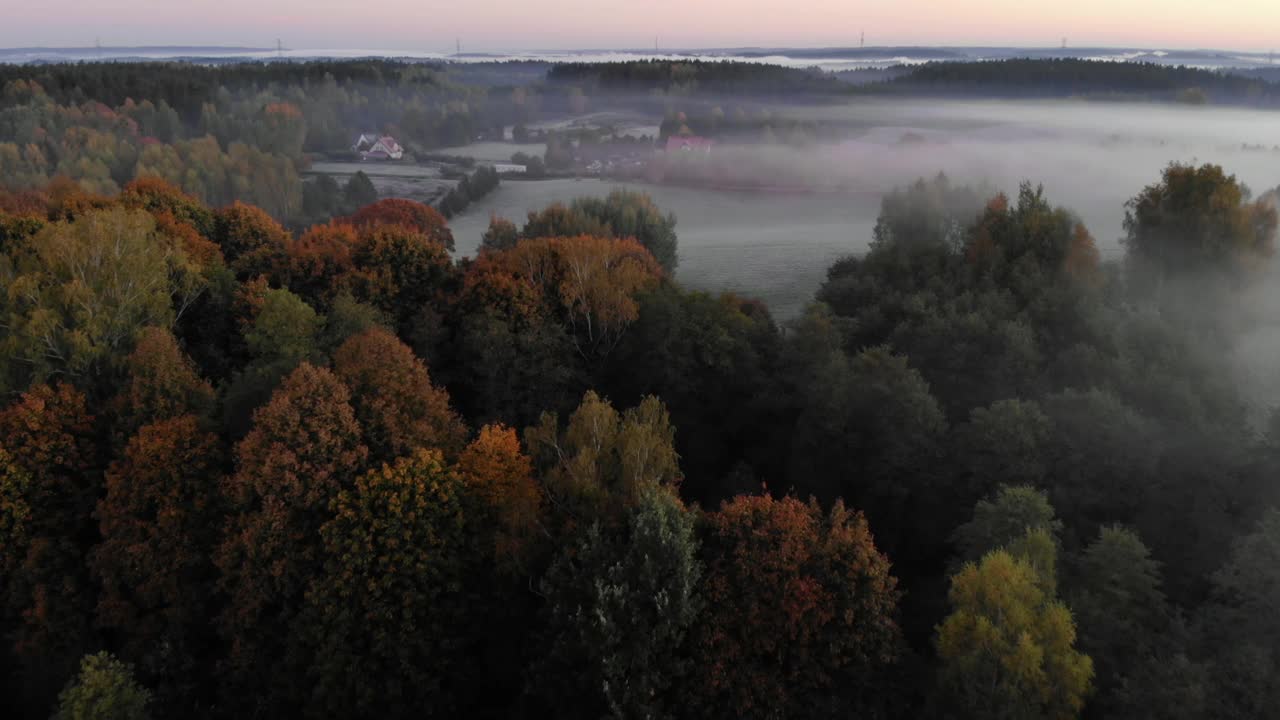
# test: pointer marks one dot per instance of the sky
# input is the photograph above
(504, 25)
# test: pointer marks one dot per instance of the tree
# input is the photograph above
(603, 458)
(160, 519)
(1197, 220)
(283, 332)
(407, 213)
(51, 480)
(395, 402)
(385, 623)
(621, 215)
(319, 264)
(104, 690)
(400, 271)
(874, 413)
(1007, 649)
(501, 234)
(799, 614)
(304, 448)
(620, 604)
(1241, 626)
(716, 364)
(499, 476)
(1002, 444)
(593, 282)
(1012, 512)
(158, 197)
(161, 383)
(1123, 616)
(250, 239)
(86, 289)
(358, 192)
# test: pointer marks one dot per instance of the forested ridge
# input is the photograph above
(252, 466)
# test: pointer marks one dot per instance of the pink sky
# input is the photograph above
(554, 24)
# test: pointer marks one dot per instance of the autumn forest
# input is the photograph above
(274, 450)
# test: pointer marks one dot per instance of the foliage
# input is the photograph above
(1007, 650)
(304, 448)
(394, 400)
(160, 519)
(800, 613)
(620, 604)
(104, 690)
(385, 619)
(499, 477)
(75, 302)
(603, 459)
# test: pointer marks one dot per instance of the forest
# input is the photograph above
(252, 466)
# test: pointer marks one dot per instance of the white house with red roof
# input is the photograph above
(378, 147)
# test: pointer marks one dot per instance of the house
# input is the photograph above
(689, 144)
(378, 147)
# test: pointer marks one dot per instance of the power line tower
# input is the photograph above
(457, 47)
(862, 39)
(279, 48)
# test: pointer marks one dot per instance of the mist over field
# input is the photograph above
(1091, 157)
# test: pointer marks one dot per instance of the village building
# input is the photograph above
(378, 147)
(689, 144)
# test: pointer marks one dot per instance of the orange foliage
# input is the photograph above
(500, 476)
(399, 269)
(68, 201)
(318, 265)
(303, 449)
(1083, 261)
(159, 521)
(594, 280)
(798, 601)
(413, 215)
(47, 435)
(162, 383)
(394, 399)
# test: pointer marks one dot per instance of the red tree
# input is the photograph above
(799, 603)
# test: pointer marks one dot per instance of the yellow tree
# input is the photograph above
(1008, 648)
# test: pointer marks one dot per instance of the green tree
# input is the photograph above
(1007, 516)
(104, 690)
(620, 604)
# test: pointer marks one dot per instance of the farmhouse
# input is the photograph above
(378, 147)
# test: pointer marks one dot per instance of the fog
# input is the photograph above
(1090, 156)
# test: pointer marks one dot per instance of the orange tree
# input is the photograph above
(160, 520)
(395, 402)
(304, 448)
(48, 483)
